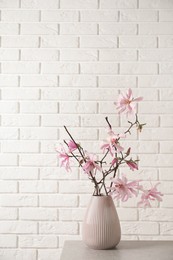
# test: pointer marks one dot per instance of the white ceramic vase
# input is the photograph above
(101, 226)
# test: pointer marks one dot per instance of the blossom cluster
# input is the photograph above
(98, 170)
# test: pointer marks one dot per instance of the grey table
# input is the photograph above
(126, 250)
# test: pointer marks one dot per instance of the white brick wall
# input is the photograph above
(63, 62)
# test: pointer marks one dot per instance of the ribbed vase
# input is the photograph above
(101, 226)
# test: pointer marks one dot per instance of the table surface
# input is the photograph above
(126, 250)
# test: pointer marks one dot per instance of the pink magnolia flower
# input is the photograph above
(150, 195)
(127, 103)
(72, 146)
(114, 161)
(91, 164)
(112, 142)
(123, 190)
(64, 159)
(133, 166)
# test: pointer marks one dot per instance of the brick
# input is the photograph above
(155, 4)
(166, 228)
(167, 201)
(166, 41)
(165, 174)
(127, 214)
(8, 214)
(37, 160)
(8, 81)
(48, 146)
(8, 186)
(49, 41)
(84, 200)
(166, 94)
(8, 241)
(52, 173)
(81, 134)
(59, 68)
(78, 107)
(16, 200)
(37, 214)
(7, 133)
(116, 28)
(98, 94)
(78, 55)
(138, 68)
(58, 200)
(9, 28)
(156, 28)
(71, 214)
(99, 68)
(8, 107)
(16, 173)
(137, 42)
(144, 174)
(60, 94)
(20, 16)
(138, 16)
(20, 120)
(9, 54)
(37, 186)
(39, 28)
(98, 120)
(20, 147)
(166, 187)
(155, 81)
(117, 81)
(157, 134)
(38, 4)
(9, 4)
(37, 241)
(166, 68)
(78, 28)
(20, 41)
(166, 121)
(40, 54)
(152, 120)
(22, 227)
(156, 214)
(39, 81)
(99, 15)
(20, 68)
(38, 107)
(166, 15)
(20, 94)
(130, 237)
(141, 228)
(59, 16)
(75, 187)
(156, 55)
(78, 4)
(118, 55)
(105, 107)
(77, 81)
(58, 228)
(141, 146)
(109, 41)
(118, 4)
(156, 160)
(60, 120)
